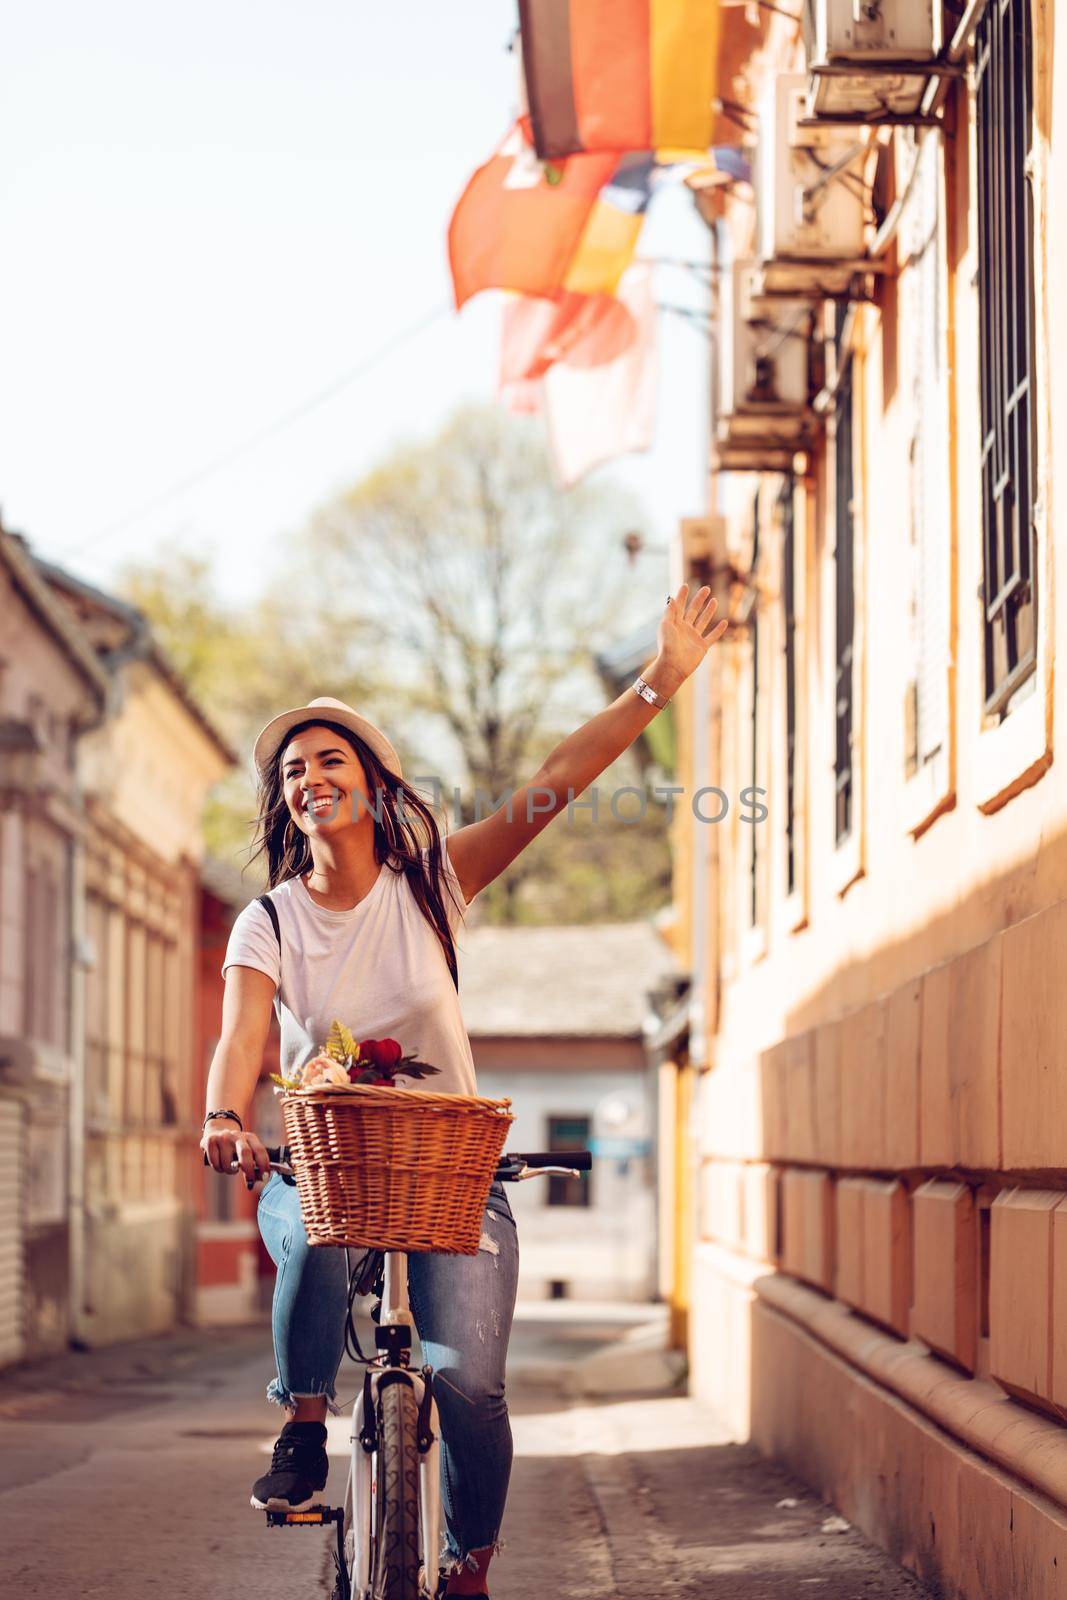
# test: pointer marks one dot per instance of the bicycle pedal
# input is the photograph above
(310, 1517)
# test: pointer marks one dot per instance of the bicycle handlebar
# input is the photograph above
(513, 1167)
(580, 1160)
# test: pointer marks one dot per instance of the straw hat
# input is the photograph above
(270, 740)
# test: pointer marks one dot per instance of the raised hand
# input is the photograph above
(681, 638)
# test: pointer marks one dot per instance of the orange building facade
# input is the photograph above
(878, 1137)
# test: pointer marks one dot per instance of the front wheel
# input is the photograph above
(395, 1574)
(342, 1588)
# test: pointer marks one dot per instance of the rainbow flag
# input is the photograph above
(548, 228)
(619, 74)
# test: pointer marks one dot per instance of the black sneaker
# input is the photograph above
(298, 1470)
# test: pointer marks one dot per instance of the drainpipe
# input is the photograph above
(78, 968)
(82, 959)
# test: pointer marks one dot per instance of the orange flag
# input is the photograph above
(518, 223)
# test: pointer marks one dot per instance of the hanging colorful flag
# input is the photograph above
(535, 332)
(609, 238)
(598, 405)
(543, 229)
(522, 398)
(619, 74)
(517, 224)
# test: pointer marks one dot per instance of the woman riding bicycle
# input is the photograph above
(369, 899)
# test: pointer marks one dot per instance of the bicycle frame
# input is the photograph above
(393, 1340)
(395, 1314)
(393, 1337)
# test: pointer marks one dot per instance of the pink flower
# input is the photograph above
(315, 1071)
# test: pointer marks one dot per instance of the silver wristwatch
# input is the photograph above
(646, 691)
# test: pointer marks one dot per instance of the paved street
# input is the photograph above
(126, 1471)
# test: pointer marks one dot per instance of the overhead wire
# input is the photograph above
(227, 457)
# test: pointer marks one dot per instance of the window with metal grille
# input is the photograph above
(926, 545)
(844, 606)
(785, 505)
(1006, 340)
(753, 908)
(569, 1133)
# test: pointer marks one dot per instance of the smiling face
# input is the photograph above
(323, 781)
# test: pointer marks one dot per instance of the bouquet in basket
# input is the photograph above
(342, 1063)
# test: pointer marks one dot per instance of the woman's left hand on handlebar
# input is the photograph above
(223, 1144)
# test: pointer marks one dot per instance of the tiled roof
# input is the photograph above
(585, 979)
(17, 557)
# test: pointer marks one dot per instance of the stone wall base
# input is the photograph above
(965, 1527)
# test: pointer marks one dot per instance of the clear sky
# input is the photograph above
(211, 213)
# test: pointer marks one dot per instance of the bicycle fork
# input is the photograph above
(393, 1341)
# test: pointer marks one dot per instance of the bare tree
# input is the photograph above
(488, 589)
(457, 598)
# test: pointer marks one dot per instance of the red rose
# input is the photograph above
(382, 1054)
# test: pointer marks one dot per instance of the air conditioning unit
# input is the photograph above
(811, 197)
(866, 57)
(702, 538)
(764, 389)
(703, 550)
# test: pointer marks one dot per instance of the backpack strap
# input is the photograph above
(272, 911)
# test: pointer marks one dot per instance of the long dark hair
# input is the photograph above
(398, 839)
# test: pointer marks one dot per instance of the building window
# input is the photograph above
(785, 504)
(754, 862)
(44, 1014)
(569, 1133)
(844, 606)
(96, 1013)
(924, 381)
(1006, 340)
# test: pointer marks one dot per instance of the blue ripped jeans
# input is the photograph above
(463, 1307)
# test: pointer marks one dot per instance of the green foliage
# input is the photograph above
(456, 597)
(584, 872)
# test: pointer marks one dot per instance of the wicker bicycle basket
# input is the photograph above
(394, 1169)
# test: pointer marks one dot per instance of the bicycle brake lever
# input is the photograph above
(547, 1172)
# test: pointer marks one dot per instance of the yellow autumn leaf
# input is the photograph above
(335, 1042)
(340, 1042)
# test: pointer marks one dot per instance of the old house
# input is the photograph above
(556, 1018)
(53, 690)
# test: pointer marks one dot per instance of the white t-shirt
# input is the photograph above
(378, 967)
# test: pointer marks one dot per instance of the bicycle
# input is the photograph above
(389, 1528)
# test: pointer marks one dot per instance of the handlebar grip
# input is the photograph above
(580, 1160)
(275, 1152)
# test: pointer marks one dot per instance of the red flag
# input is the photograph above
(522, 398)
(535, 332)
(519, 222)
(600, 404)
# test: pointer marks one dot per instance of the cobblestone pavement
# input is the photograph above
(126, 1471)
